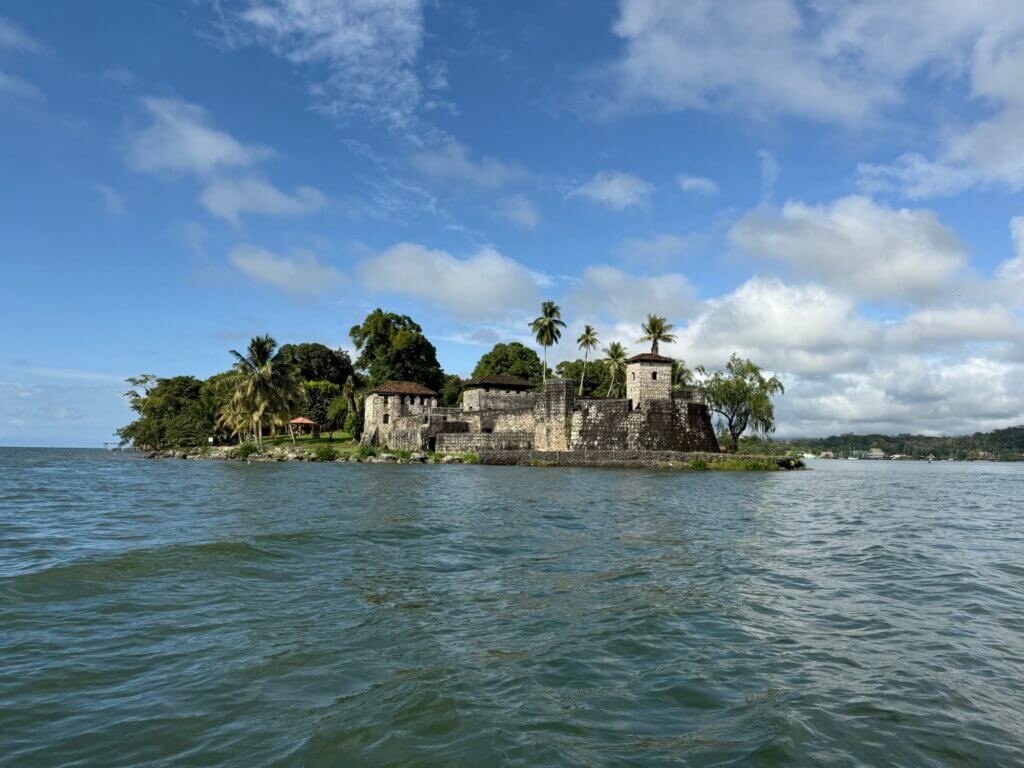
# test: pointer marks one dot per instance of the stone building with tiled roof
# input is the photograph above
(506, 413)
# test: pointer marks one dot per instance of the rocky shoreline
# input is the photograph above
(524, 458)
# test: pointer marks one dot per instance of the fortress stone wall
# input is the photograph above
(652, 417)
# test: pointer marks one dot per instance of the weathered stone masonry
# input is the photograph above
(499, 413)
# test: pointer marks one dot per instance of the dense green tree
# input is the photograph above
(337, 410)
(615, 360)
(214, 395)
(170, 413)
(742, 397)
(318, 362)
(451, 391)
(512, 359)
(587, 341)
(319, 395)
(547, 329)
(595, 376)
(393, 347)
(656, 329)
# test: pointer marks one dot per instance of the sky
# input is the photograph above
(830, 189)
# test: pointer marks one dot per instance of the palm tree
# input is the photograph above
(615, 354)
(587, 341)
(548, 330)
(269, 385)
(656, 329)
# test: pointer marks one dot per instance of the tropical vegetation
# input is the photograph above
(255, 401)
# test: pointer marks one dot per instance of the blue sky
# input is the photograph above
(833, 192)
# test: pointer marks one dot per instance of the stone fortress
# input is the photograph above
(506, 413)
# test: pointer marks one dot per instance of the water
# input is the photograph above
(206, 613)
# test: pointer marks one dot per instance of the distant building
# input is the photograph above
(875, 453)
(826, 455)
(508, 413)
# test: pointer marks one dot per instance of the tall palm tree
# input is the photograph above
(548, 330)
(269, 385)
(656, 329)
(587, 341)
(615, 354)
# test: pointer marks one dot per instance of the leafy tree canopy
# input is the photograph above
(319, 395)
(742, 397)
(513, 359)
(393, 347)
(318, 362)
(596, 381)
(451, 391)
(170, 414)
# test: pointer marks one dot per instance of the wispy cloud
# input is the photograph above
(228, 198)
(363, 55)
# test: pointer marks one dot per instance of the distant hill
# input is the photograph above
(1001, 445)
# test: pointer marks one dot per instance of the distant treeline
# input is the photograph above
(1001, 445)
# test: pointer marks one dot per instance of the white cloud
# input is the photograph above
(481, 286)
(301, 274)
(14, 38)
(520, 210)
(905, 394)
(804, 329)
(181, 139)
(18, 88)
(858, 246)
(610, 292)
(615, 190)
(698, 184)
(369, 51)
(228, 198)
(112, 201)
(957, 324)
(758, 56)
(451, 162)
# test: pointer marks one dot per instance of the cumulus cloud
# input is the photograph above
(301, 274)
(802, 329)
(229, 198)
(364, 54)
(519, 209)
(451, 162)
(615, 190)
(858, 246)
(957, 324)
(609, 292)
(698, 184)
(180, 138)
(478, 287)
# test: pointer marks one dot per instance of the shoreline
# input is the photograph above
(611, 459)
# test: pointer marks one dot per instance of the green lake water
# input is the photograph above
(171, 613)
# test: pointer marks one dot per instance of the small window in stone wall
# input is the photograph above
(385, 399)
(633, 375)
(387, 417)
(654, 375)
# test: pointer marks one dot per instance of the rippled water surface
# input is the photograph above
(209, 613)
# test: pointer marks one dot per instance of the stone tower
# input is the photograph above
(648, 377)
